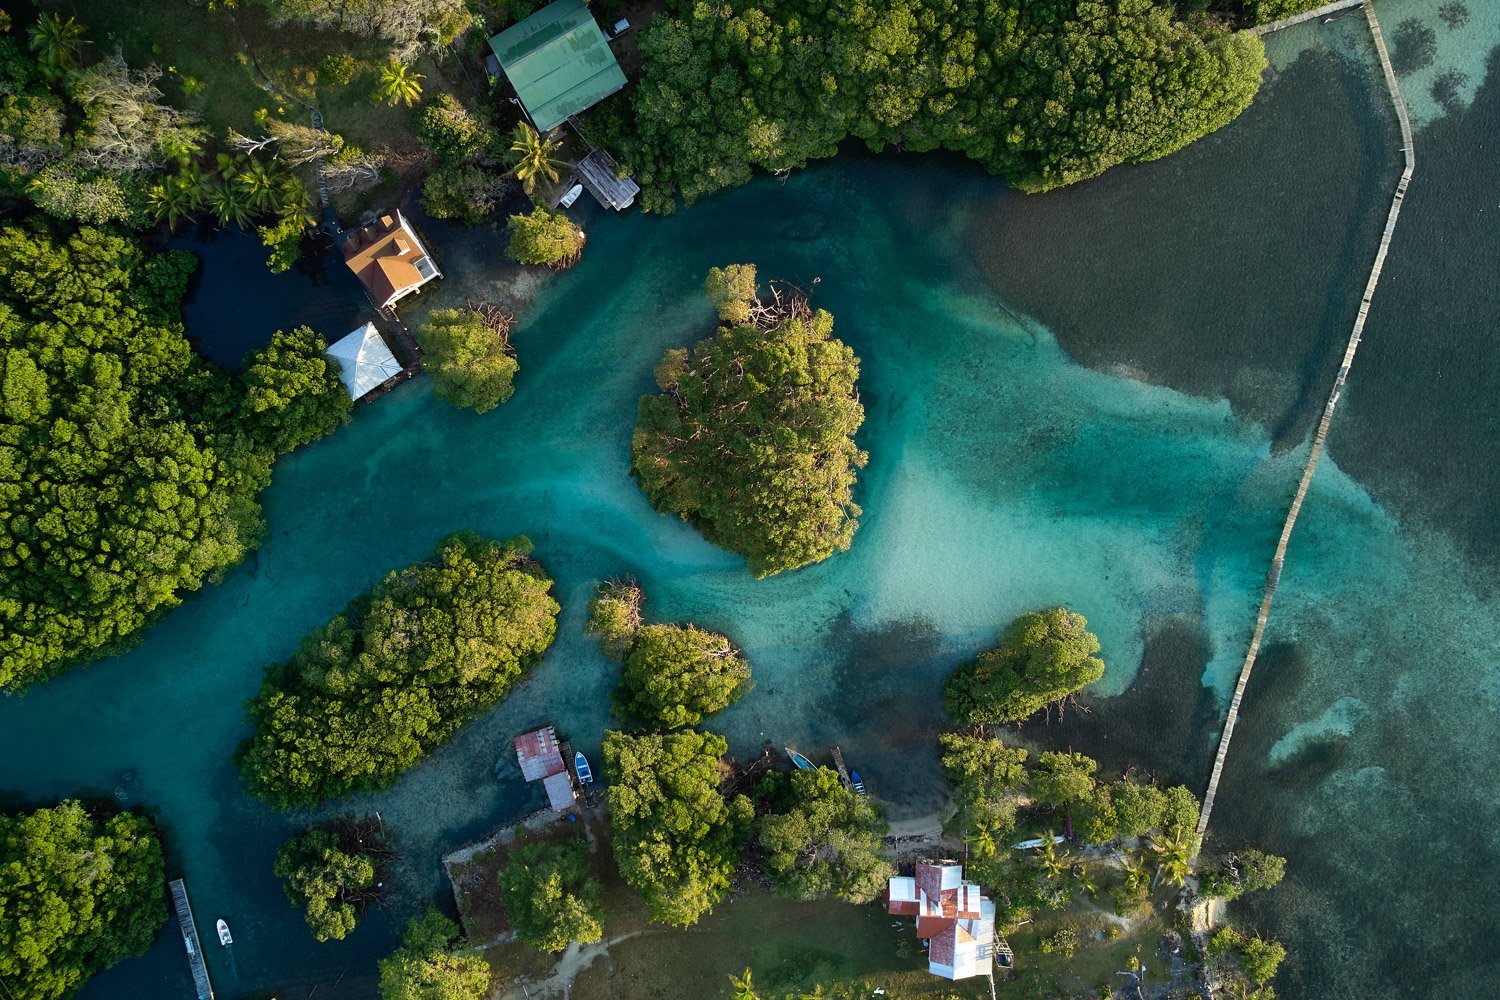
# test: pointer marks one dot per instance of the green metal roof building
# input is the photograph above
(559, 62)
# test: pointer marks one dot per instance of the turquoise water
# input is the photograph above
(1003, 475)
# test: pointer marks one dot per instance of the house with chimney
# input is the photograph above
(954, 918)
(388, 259)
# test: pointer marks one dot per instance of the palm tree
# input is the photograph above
(398, 84)
(1173, 854)
(293, 202)
(535, 156)
(744, 989)
(259, 185)
(171, 201)
(58, 44)
(1047, 857)
(228, 200)
(194, 182)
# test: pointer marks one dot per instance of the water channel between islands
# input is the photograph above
(1098, 398)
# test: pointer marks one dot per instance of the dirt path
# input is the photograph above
(560, 982)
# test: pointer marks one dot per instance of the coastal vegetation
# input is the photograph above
(431, 963)
(467, 182)
(545, 236)
(129, 467)
(293, 393)
(1044, 658)
(333, 873)
(1042, 93)
(676, 675)
(676, 837)
(78, 893)
(469, 357)
(821, 840)
(751, 439)
(551, 897)
(398, 672)
(615, 616)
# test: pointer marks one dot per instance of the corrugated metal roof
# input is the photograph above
(537, 753)
(558, 61)
(559, 790)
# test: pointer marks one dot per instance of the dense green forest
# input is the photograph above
(77, 894)
(751, 439)
(433, 962)
(399, 671)
(1042, 92)
(126, 475)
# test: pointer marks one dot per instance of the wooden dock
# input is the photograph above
(1278, 560)
(1327, 10)
(190, 940)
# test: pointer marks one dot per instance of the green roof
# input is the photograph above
(558, 61)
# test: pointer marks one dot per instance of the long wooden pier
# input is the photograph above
(190, 939)
(1326, 10)
(1278, 561)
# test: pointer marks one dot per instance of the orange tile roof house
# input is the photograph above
(388, 259)
(540, 757)
(953, 917)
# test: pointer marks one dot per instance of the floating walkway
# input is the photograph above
(190, 939)
(1278, 561)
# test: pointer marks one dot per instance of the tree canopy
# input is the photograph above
(676, 838)
(821, 840)
(410, 26)
(77, 894)
(124, 474)
(751, 439)
(545, 236)
(615, 616)
(293, 393)
(676, 675)
(1042, 92)
(398, 672)
(551, 898)
(326, 880)
(1043, 658)
(429, 964)
(470, 362)
(987, 774)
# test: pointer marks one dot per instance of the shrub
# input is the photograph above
(338, 69)
(615, 616)
(293, 393)
(1043, 658)
(463, 192)
(452, 132)
(317, 874)
(545, 236)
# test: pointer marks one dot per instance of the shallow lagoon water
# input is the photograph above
(1003, 476)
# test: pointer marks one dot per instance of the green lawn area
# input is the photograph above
(215, 60)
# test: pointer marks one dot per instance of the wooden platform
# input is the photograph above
(190, 940)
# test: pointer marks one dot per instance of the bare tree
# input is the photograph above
(299, 144)
(409, 25)
(352, 171)
(126, 126)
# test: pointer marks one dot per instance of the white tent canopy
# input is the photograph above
(366, 360)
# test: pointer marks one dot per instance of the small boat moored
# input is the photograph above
(582, 769)
(856, 783)
(800, 762)
(224, 936)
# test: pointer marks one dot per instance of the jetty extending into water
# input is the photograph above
(190, 940)
(1278, 561)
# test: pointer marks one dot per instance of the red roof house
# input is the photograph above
(539, 754)
(953, 917)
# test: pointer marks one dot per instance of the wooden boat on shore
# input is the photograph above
(582, 769)
(225, 938)
(800, 762)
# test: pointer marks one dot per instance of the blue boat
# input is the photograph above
(582, 769)
(800, 762)
(856, 783)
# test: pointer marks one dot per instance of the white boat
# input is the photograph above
(571, 196)
(224, 937)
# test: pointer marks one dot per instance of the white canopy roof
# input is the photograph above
(366, 360)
